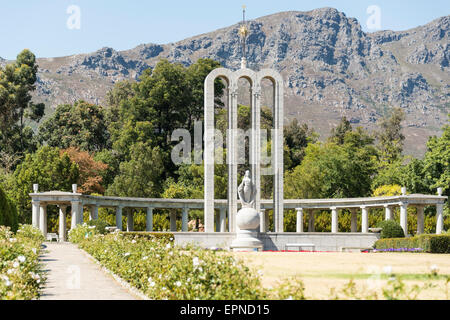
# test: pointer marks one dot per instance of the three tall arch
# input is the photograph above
(255, 79)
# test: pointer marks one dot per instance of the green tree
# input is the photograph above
(436, 166)
(8, 212)
(413, 177)
(296, 138)
(142, 175)
(196, 74)
(389, 174)
(338, 133)
(329, 170)
(112, 160)
(17, 111)
(390, 137)
(81, 125)
(46, 167)
(166, 98)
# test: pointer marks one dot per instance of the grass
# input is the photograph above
(325, 272)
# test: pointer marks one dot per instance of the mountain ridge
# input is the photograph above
(331, 67)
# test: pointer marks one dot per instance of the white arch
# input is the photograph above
(255, 79)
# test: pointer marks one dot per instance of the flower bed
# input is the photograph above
(164, 271)
(399, 250)
(20, 272)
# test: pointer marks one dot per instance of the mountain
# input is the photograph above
(330, 66)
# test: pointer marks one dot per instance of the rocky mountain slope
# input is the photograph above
(330, 66)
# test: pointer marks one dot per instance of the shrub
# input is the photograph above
(20, 274)
(289, 289)
(8, 212)
(27, 231)
(82, 232)
(421, 243)
(161, 270)
(162, 236)
(390, 229)
(435, 243)
(99, 225)
(164, 271)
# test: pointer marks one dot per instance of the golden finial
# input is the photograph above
(243, 32)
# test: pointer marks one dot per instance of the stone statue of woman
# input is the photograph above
(247, 191)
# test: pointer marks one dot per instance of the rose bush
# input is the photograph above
(163, 270)
(21, 276)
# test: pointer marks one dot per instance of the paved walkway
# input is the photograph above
(71, 275)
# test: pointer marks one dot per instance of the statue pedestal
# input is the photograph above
(247, 221)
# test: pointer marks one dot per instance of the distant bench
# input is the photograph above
(51, 236)
(299, 245)
(357, 249)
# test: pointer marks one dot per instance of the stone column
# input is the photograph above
(43, 219)
(278, 151)
(311, 221)
(173, 221)
(364, 219)
(262, 220)
(439, 218)
(209, 147)
(35, 205)
(354, 220)
(77, 213)
(420, 219)
(130, 220)
(255, 142)
(93, 215)
(62, 223)
(232, 155)
(299, 220)
(404, 217)
(279, 221)
(388, 212)
(149, 219)
(223, 219)
(185, 219)
(119, 217)
(334, 220)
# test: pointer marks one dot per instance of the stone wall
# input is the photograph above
(276, 241)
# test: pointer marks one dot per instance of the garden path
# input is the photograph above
(71, 275)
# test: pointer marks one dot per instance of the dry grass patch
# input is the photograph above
(321, 272)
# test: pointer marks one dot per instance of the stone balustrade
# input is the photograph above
(77, 202)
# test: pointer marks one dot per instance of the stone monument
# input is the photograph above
(232, 144)
(247, 218)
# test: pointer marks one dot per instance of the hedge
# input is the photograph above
(8, 213)
(165, 236)
(421, 243)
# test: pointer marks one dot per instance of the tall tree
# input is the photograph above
(17, 81)
(330, 170)
(390, 136)
(196, 74)
(82, 125)
(142, 175)
(437, 162)
(46, 167)
(90, 178)
(297, 137)
(166, 98)
(338, 133)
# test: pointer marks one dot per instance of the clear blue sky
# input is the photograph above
(41, 25)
